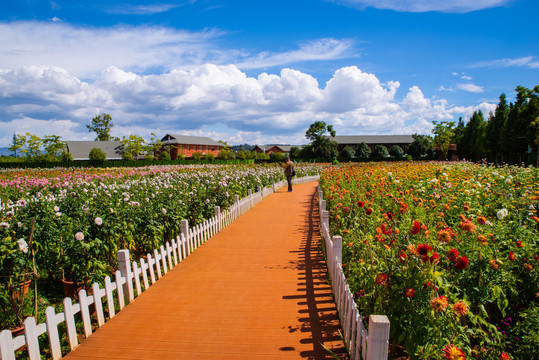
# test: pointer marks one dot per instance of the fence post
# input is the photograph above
(184, 230)
(323, 205)
(237, 202)
(325, 219)
(337, 248)
(378, 337)
(217, 211)
(124, 265)
(250, 194)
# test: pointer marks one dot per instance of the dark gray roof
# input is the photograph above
(374, 139)
(79, 150)
(189, 140)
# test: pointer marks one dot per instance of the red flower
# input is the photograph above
(360, 204)
(433, 259)
(416, 227)
(381, 279)
(386, 230)
(453, 255)
(461, 263)
(511, 256)
(368, 211)
(504, 356)
(519, 244)
(409, 293)
(402, 255)
(423, 249)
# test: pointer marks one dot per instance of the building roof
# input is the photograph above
(283, 148)
(189, 140)
(80, 150)
(374, 139)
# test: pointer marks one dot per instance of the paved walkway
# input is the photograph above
(257, 290)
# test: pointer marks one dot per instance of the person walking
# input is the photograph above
(289, 172)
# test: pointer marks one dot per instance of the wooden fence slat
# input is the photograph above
(84, 302)
(144, 269)
(31, 336)
(169, 255)
(119, 289)
(151, 262)
(69, 313)
(163, 259)
(52, 320)
(136, 275)
(110, 297)
(98, 303)
(175, 250)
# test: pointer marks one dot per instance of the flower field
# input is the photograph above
(449, 252)
(74, 221)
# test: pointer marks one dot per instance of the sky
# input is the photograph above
(259, 72)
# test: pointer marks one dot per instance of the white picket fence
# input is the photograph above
(361, 344)
(130, 277)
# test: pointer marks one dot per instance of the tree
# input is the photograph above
(101, 125)
(421, 147)
(33, 146)
(133, 145)
(19, 142)
(164, 156)
(295, 152)
(97, 155)
(348, 153)
(54, 147)
(494, 132)
(153, 147)
(396, 151)
(363, 151)
(443, 135)
(380, 152)
(321, 137)
(473, 141)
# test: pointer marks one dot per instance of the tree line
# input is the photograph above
(506, 136)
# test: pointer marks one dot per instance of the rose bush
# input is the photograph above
(449, 252)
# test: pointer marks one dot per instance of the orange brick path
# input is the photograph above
(257, 290)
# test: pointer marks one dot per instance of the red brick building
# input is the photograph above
(177, 145)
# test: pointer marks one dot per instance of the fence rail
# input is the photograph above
(361, 344)
(130, 278)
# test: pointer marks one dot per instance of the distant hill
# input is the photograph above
(4, 151)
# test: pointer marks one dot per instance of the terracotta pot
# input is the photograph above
(17, 331)
(21, 289)
(72, 290)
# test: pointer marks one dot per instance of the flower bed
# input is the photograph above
(82, 217)
(449, 252)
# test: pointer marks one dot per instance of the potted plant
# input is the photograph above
(15, 263)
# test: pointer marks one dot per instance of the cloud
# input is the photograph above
(220, 101)
(86, 51)
(321, 49)
(528, 61)
(141, 9)
(449, 6)
(471, 88)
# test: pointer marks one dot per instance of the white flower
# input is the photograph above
(207, 201)
(164, 211)
(19, 224)
(501, 214)
(98, 221)
(58, 214)
(4, 225)
(56, 209)
(23, 245)
(79, 236)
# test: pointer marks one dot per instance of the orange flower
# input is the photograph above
(451, 352)
(482, 220)
(511, 256)
(520, 244)
(409, 293)
(504, 356)
(494, 264)
(460, 308)
(439, 303)
(468, 226)
(381, 279)
(536, 218)
(412, 249)
(466, 207)
(445, 235)
(482, 238)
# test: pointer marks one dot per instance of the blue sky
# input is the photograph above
(259, 71)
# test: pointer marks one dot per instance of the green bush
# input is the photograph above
(396, 151)
(96, 154)
(164, 156)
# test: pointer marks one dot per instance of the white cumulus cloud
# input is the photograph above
(219, 101)
(470, 87)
